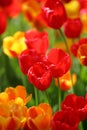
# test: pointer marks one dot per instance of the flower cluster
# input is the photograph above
(42, 57)
(39, 67)
(14, 114)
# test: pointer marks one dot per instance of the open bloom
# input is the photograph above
(14, 45)
(40, 76)
(64, 120)
(60, 62)
(37, 40)
(73, 28)
(79, 50)
(17, 94)
(76, 104)
(54, 13)
(38, 117)
(12, 108)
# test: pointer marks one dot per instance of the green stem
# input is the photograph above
(80, 126)
(48, 99)
(65, 41)
(36, 96)
(59, 97)
(67, 48)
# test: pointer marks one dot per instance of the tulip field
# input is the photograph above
(43, 64)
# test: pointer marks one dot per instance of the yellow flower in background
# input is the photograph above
(72, 8)
(66, 81)
(14, 45)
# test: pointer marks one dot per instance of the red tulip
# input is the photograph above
(76, 104)
(40, 76)
(75, 47)
(4, 3)
(60, 62)
(64, 120)
(37, 40)
(26, 59)
(73, 28)
(3, 21)
(54, 13)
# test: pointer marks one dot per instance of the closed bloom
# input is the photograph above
(60, 62)
(40, 76)
(64, 120)
(54, 13)
(73, 28)
(38, 117)
(76, 104)
(14, 45)
(37, 40)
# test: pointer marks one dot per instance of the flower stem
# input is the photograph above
(48, 99)
(80, 126)
(65, 41)
(59, 96)
(36, 96)
(67, 49)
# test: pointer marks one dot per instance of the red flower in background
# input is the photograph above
(54, 13)
(3, 21)
(14, 9)
(60, 62)
(37, 40)
(4, 3)
(76, 104)
(79, 50)
(75, 46)
(64, 120)
(73, 28)
(8, 8)
(40, 76)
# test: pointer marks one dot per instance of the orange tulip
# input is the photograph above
(12, 108)
(38, 117)
(18, 94)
